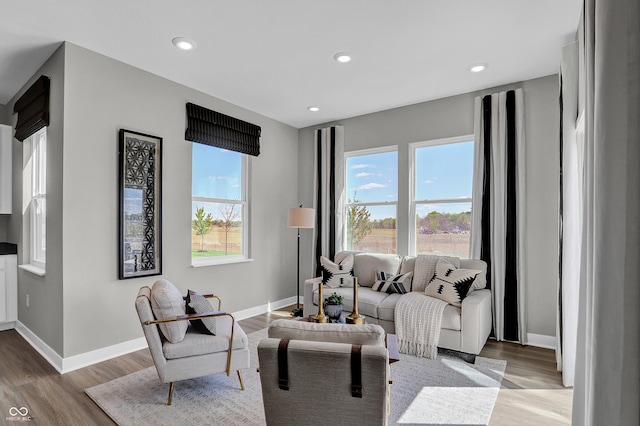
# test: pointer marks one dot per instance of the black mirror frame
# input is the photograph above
(140, 242)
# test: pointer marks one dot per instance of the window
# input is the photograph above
(442, 181)
(218, 205)
(372, 198)
(36, 185)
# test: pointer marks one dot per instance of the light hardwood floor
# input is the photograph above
(531, 393)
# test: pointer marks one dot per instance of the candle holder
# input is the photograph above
(320, 316)
(355, 317)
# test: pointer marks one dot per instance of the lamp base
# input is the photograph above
(297, 312)
(355, 319)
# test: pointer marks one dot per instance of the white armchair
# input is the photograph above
(197, 354)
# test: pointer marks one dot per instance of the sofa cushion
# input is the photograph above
(481, 280)
(167, 302)
(387, 307)
(365, 334)
(336, 275)
(390, 283)
(196, 303)
(368, 302)
(365, 265)
(408, 264)
(450, 283)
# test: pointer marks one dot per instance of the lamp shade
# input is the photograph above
(301, 217)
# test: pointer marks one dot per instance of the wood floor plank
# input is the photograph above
(531, 393)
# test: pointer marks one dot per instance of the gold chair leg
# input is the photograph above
(240, 378)
(170, 393)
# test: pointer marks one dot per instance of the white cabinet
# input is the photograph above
(6, 142)
(8, 291)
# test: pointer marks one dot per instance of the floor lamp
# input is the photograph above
(300, 217)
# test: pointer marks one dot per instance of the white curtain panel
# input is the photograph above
(329, 193)
(571, 223)
(498, 200)
(607, 379)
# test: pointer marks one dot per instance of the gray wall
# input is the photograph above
(4, 219)
(44, 316)
(90, 308)
(453, 116)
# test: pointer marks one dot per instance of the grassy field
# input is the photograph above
(214, 243)
(383, 241)
(379, 241)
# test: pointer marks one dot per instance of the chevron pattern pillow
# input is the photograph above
(450, 283)
(336, 275)
(390, 283)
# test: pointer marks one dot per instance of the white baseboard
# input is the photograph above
(268, 307)
(66, 365)
(7, 325)
(50, 355)
(541, 341)
(93, 357)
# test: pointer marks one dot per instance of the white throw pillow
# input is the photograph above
(450, 283)
(337, 275)
(167, 302)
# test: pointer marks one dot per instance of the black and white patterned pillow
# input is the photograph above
(337, 275)
(196, 303)
(450, 283)
(390, 283)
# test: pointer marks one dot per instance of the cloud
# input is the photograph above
(430, 181)
(428, 207)
(362, 166)
(363, 174)
(372, 185)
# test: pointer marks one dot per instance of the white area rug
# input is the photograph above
(446, 391)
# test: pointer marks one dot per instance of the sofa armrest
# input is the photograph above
(310, 286)
(476, 321)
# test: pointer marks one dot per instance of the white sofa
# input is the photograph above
(464, 329)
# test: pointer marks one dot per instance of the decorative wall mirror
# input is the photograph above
(140, 205)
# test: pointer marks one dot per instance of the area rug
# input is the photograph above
(446, 391)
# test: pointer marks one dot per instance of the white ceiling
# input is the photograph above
(275, 57)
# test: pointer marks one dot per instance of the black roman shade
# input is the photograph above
(33, 109)
(213, 128)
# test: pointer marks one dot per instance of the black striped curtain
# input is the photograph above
(329, 190)
(498, 215)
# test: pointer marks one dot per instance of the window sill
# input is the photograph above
(36, 270)
(212, 261)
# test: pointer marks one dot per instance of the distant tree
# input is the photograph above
(228, 215)
(359, 223)
(202, 225)
(433, 221)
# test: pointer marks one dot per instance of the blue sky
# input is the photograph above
(442, 171)
(217, 173)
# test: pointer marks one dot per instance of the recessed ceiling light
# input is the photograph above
(481, 66)
(313, 108)
(342, 57)
(183, 43)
